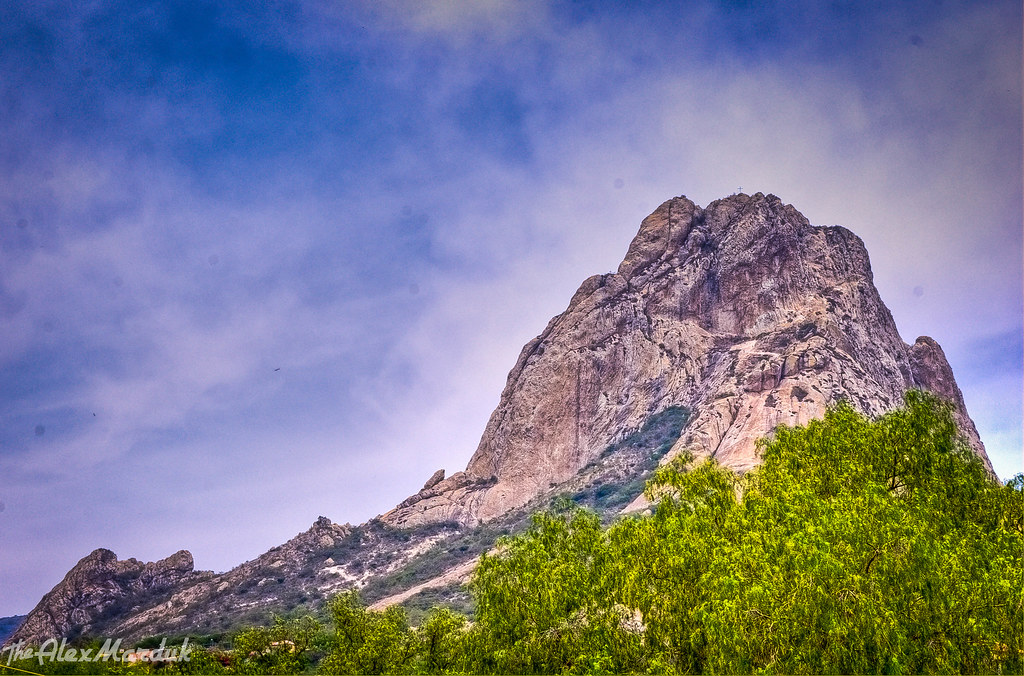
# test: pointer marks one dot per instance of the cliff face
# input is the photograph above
(742, 313)
(720, 324)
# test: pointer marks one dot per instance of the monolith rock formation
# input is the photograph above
(720, 324)
(742, 313)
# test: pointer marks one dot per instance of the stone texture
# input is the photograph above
(931, 372)
(742, 312)
(435, 478)
(130, 600)
(252, 585)
(98, 584)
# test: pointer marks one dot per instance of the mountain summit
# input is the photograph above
(720, 324)
(742, 313)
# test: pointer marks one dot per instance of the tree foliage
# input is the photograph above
(858, 546)
(283, 648)
(366, 641)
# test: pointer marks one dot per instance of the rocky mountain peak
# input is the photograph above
(931, 371)
(742, 313)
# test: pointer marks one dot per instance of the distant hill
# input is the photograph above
(8, 625)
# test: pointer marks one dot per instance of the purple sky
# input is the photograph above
(262, 265)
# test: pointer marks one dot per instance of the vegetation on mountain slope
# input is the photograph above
(605, 485)
(858, 546)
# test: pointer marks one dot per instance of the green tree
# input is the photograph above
(547, 602)
(442, 642)
(366, 641)
(858, 546)
(282, 648)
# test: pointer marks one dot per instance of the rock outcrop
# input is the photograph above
(742, 313)
(269, 580)
(98, 586)
(127, 599)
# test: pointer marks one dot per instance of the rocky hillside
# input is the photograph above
(100, 586)
(720, 324)
(385, 562)
(741, 312)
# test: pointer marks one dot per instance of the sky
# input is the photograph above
(267, 263)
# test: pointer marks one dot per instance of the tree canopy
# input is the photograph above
(857, 546)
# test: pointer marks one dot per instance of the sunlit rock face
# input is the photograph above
(742, 312)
